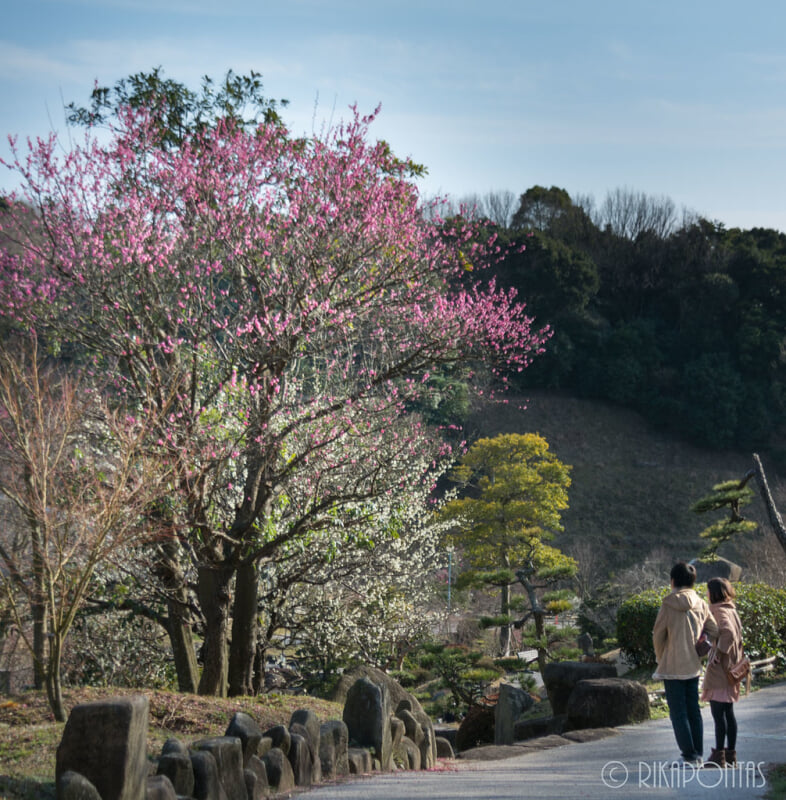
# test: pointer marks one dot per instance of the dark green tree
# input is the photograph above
(177, 110)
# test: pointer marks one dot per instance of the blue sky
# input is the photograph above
(679, 99)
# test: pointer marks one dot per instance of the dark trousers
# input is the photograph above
(725, 724)
(685, 715)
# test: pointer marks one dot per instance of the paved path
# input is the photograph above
(631, 765)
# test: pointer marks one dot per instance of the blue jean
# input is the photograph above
(685, 714)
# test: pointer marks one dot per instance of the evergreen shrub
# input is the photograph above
(762, 609)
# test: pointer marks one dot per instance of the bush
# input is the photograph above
(635, 620)
(762, 609)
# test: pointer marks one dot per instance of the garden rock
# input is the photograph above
(367, 716)
(428, 747)
(512, 703)
(245, 728)
(412, 727)
(306, 724)
(300, 759)
(173, 745)
(228, 754)
(397, 732)
(397, 694)
(207, 785)
(279, 736)
(586, 644)
(444, 748)
(178, 768)
(73, 786)
(333, 747)
(707, 568)
(447, 732)
(408, 754)
(360, 762)
(106, 743)
(254, 790)
(560, 677)
(607, 702)
(257, 767)
(544, 726)
(279, 770)
(159, 787)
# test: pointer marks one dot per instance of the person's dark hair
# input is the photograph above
(683, 575)
(719, 589)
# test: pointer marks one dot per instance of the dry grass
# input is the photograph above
(632, 487)
(29, 736)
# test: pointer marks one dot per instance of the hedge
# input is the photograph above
(762, 609)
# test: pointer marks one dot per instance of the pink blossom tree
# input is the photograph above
(273, 308)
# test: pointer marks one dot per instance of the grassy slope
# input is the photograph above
(632, 487)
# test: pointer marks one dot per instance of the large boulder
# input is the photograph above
(606, 703)
(367, 716)
(512, 703)
(560, 677)
(399, 698)
(717, 567)
(106, 742)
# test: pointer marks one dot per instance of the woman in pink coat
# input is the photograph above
(726, 652)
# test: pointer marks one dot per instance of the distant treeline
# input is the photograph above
(673, 316)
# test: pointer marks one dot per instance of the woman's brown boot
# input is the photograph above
(717, 758)
(731, 757)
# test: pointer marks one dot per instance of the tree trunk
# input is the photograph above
(38, 601)
(260, 658)
(182, 640)
(54, 689)
(213, 592)
(38, 610)
(504, 630)
(776, 521)
(177, 624)
(244, 632)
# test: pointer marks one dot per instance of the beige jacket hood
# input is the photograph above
(682, 617)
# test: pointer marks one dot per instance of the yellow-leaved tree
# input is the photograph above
(512, 491)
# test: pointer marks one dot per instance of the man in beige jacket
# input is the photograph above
(682, 617)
